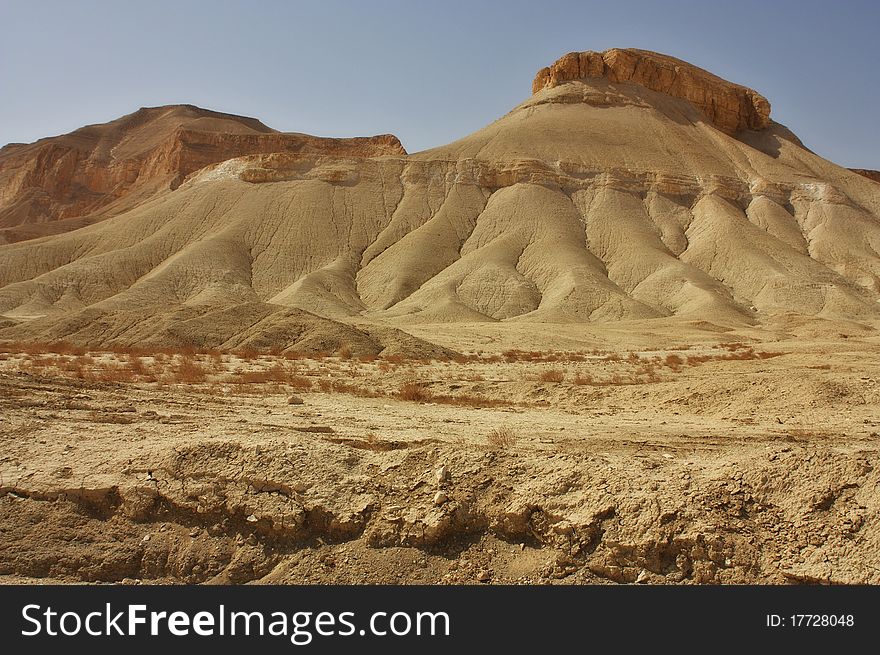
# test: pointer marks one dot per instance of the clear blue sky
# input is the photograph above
(427, 71)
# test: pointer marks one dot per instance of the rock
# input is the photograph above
(442, 474)
(252, 518)
(642, 577)
(484, 576)
(295, 400)
(729, 107)
(440, 497)
(146, 538)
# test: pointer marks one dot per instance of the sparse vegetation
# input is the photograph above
(553, 375)
(503, 437)
(413, 391)
(188, 371)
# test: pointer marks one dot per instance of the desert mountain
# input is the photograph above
(62, 183)
(629, 186)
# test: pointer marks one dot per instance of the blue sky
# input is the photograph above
(429, 72)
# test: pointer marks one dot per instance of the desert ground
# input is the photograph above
(620, 454)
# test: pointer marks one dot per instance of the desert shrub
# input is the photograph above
(247, 353)
(413, 391)
(552, 375)
(299, 382)
(136, 366)
(188, 371)
(583, 379)
(503, 437)
(673, 361)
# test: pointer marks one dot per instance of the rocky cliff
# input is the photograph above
(729, 107)
(101, 170)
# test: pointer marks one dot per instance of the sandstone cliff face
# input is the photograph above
(101, 170)
(729, 107)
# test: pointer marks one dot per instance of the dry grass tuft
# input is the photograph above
(414, 392)
(673, 361)
(503, 437)
(553, 375)
(188, 371)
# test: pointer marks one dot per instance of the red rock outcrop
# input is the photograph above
(729, 107)
(101, 170)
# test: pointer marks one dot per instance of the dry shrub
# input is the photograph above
(514, 355)
(35, 347)
(247, 353)
(353, 390)
(736, 352)
(673, 361)
(503, 437)
(583, 379)
(299, 382)
(553, 375)
(467, 400)
(345, 352)
(135, 365)
(113, 373)
(413, 391)
(189, 371)
(276, 373)
(42, 361)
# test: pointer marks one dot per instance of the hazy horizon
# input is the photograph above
(429, 74)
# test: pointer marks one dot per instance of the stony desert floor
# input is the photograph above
(712, 461)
